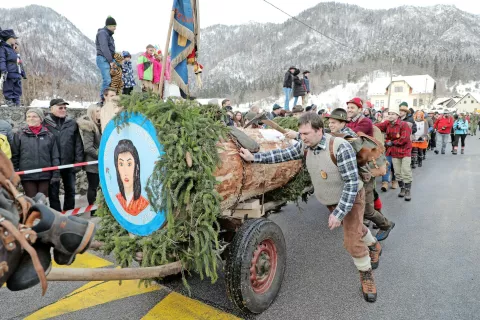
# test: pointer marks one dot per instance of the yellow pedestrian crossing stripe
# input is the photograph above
(178, 307)
(95, 293)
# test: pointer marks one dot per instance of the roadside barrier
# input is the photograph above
(65, 166)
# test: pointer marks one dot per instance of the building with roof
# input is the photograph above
(468, 103)
(418, 91)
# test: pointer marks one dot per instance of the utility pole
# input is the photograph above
(390, 86)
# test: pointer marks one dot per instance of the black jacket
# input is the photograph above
(298, 85)
(31, 151)
(410, 119)
(288, 79)
(69, 142)
(105, 44)
(91, 142)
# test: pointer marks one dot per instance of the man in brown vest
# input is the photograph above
(337, 186)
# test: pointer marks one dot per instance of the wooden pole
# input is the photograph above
(84, 274)
(165, 53)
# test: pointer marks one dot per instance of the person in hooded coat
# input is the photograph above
(105, 50)
(298, 87)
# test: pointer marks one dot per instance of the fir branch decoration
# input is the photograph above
(186, 194)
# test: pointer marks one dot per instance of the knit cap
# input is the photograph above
(38, 112)
(110, 21)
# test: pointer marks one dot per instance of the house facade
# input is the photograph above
(417, 91)
(469, 103)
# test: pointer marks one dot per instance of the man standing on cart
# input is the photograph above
(336, 186)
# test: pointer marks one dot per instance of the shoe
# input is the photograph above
(408, 195)
(68, 235)
(463, 151)
(402, 189)
(375, 252)
(369, 289)
(383, 234)
(436, 151)
(394, 184)
(385, 186)
(25, 275)
(420, 163)
(443, 152)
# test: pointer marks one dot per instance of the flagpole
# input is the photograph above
(165, 56)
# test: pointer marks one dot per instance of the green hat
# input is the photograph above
(340, 114)
(403, 104)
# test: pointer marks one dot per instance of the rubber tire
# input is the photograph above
(237, 275)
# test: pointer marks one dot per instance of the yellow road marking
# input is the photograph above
(178, 307)
(86, 260)
(92, 296)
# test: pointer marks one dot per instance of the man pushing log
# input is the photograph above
(337, 186)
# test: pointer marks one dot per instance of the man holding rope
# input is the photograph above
(70, 148)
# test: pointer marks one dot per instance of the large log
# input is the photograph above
(260, 178)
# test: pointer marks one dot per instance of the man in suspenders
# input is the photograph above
(332, 165)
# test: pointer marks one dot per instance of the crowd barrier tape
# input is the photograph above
(78, 211)
(65, 166)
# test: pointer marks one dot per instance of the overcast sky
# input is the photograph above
(144, 22)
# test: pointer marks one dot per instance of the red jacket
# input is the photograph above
(363, 124)
(444, 125)
(399, 134)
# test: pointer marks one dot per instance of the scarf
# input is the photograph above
(36, 130)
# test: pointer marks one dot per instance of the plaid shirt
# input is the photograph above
(348, 131)
(346, 162)
(399, 134)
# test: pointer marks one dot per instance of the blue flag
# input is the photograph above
(184, 40)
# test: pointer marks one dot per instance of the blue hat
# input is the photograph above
(7, 34)
(126, 54)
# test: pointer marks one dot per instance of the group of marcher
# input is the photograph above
(116, 68)
(348, 191)
(52, 140)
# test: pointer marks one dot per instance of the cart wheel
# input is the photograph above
(255, 265)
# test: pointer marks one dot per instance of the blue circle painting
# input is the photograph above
(126, 160)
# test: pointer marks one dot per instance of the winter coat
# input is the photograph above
(424, 134)
(91, 142)
(127, 75)
(105, 44)
(69, 142)
(157, 70)
(9, 62)
(288, 80)
(298, 86)
(6, 129)
(409, 119)
(461, 126)
(307, 83)
(145, 65)
(363, 124)
(444, 125)
(5, 146)
(31, 151)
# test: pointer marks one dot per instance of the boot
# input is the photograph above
(68, 235)
(25, 275)
(385, 186)
(408, 196)
(463, 151)
(420, 161)
(375, 252)
(383, 234)
(394, 184)
(454, 151)
(402, 189)
(369, 289)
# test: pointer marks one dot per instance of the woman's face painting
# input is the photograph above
(126, 168)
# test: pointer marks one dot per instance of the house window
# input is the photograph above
(398, 89)
(414, 102)
(464, 101)
(382, 103)
(472, 101)
(420, 102)
(377, 103)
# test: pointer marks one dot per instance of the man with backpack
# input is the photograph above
(332, 165)
(399, 147)
(338, 124)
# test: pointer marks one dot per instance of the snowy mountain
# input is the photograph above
(56, 54)
(248, 61)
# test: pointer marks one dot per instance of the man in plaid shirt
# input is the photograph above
(399, 147)
(332, 165)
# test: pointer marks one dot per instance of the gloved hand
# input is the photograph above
(389, 143)
(55, 178)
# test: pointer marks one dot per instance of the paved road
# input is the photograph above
(428, 270)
